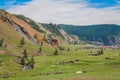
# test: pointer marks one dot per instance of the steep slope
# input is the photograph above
(106, 34)
(13, 29)
(12, 32)
(51, 31)
(29, 21)
(56, 30)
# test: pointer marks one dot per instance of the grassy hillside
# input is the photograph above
(10, 49)
(105, 33)
(61, 68)
(12, 34)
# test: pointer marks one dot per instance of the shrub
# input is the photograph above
(56, 52)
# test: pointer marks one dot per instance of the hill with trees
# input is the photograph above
(107, 34)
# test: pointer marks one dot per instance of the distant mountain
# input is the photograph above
(107, 34)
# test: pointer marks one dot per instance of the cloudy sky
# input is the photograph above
(78, 12)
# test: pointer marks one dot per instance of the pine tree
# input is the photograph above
(68, 49)
(22, 61)
(32, 62)
(22, 42)
(56, 52)
(40, 49)
(1, 42)
(102, 52)
(25, 53)
(99, 52)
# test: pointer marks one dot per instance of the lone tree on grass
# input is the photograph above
(56, 52)
(25, 53)
(99, 52)
(102, 51)
(40, 50)
(1, 42)
(22, 42)
(68, 49)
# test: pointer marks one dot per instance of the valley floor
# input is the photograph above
(72, 65)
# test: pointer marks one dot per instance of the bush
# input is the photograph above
(56, 52)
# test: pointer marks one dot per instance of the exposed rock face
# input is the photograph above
(72, 39)
(76, 40)
(57, 31)
(51, 31)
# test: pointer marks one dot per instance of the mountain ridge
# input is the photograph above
(50, 30)
(108, 34)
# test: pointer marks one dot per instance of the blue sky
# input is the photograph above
(81, 12)
(104, 3)
(6, 4)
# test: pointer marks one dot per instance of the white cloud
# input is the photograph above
(47, 11)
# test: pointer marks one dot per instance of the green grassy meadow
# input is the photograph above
(65, 65)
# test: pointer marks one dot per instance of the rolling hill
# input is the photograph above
(107, 34)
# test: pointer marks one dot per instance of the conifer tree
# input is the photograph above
(40, 49)
(99, 52)
(25, 53)
(68, 49)
(22, 61)
(102, 52)
(56, 52)
(32, 62)
(22, 42)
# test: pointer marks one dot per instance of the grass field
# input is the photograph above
(66, 64)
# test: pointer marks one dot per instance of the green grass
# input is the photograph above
(96, 67)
